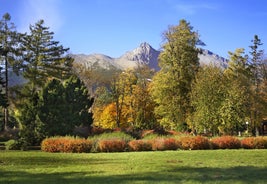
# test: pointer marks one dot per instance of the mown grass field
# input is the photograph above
(206, 166)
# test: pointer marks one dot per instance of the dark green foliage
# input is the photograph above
(43, 57)
(78, 102)
(64, 106)
(52, 102)
(30, 125)
(3, 97)
(10, 57)
(12, 145)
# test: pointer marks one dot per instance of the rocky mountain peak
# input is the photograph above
(144, 54)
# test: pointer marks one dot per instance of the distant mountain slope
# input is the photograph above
(207, 57)
(144, 54)
(106, 66)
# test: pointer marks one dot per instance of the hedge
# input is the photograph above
(120, 142)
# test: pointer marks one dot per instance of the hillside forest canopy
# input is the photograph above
(59, 95)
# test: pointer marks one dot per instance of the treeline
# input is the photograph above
(182, 96)
(185, 96)
(53, 100)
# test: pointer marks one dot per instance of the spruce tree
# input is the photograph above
(256, 101)
(10, 55)
(3, 99)
(44, 59)
(62, 106)
(172, 84)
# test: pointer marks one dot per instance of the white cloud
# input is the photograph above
(34, 10)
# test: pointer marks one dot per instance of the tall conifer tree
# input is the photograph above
(10, 54)
(256, 101)
(44, 59)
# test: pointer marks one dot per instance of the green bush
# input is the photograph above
(113, 135)
(151, 136)
(12, 145)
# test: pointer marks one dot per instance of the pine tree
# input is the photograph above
(3, 99)
(44, 58)
(62, 106)
(256, 105)
(172, 84)
(10, 54)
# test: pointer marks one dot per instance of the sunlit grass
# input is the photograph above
(207, 166)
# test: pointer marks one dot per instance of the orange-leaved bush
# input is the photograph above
(66, 145)
(161, 144)
(111, 145)
(140, 145)
(226, 142)
(254, 143)
(194, 143)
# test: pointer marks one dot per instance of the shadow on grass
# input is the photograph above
(246, 174)
(55, 161)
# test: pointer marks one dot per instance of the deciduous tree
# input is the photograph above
(235, 106)
(206, 99)
(172, 84)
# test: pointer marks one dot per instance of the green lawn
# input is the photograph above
(209, 166)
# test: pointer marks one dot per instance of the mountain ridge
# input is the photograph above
(143, 54)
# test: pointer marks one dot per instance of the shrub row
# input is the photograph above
(119, 142)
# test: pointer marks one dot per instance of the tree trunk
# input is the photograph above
(6, 113)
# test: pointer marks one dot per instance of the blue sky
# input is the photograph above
(113, 27)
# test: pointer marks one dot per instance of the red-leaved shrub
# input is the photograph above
(225, 142)
(140, 145)
(248, 143)
(194, 143)
(111, 145)
(50, 145)
(254, 143)
(162, 144)
(66, 145)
